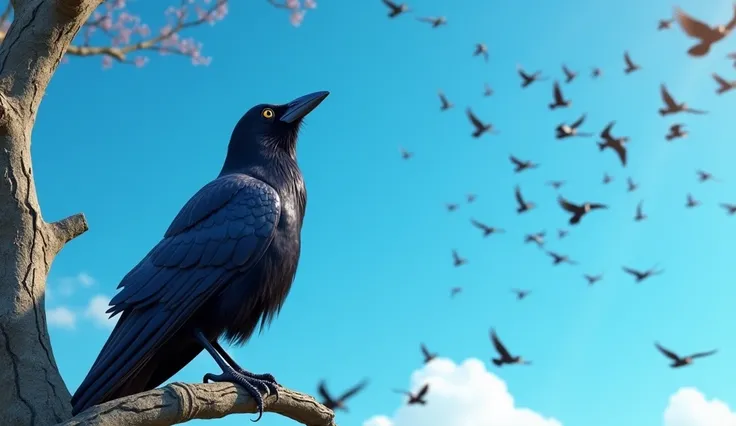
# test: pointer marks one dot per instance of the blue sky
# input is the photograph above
(129, 146)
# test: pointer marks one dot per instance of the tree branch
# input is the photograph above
(181, 402)
(69, 228)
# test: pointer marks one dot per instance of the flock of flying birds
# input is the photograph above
(707, 36)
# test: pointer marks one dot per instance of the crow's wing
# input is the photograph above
(425, 351)
(621, 151)
(568, 206)
(323, 392)
(732, 23)
(703, 354)
(578, 123)
(558, 93)
(630, 271)
(666, 352)
(691, 26)
(597, 206)
(473, 119)
(720, 80)
(222, 231)
(516, 160)
(390, 4)
(667, 97)
(500, 348)
(352, 391)
(606, 133)
(423, 391)
(519, 197)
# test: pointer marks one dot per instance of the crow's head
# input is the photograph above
(272, 129)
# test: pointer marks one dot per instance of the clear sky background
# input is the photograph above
(129, 146)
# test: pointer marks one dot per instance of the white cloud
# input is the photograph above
(85, 279)
(96, 311)
(462, 395)
(67, 285)
(61, 317)
(689, 407)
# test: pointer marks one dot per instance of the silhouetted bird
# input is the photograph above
(678, 361)
(527, 79)
(225, 264)
(556, 184)
(455, 291)
(435, 21)
(706, 35)
(524, 206)
(631, 186)
(487, 90)
(578, 211)
(730, 208)
(639, 216)
(596, 72)
(569, 74)
(564, 131)
(607, 179)
(451, 207)
(537, 238)
(676, 132)
(338, 403)
(504, 357)
(592, 279)
(521, 294)
(631, 66)
(723, 84)
(616, 144)
(481, 50)
(671, 105)
(640, 276)
(480, 127)
(487, 230)
(704, 176)
(560, 258)
(428, 356)
(405, 154)
(445, 104)
(457, 260)
(395, 9)
(665, 24)
(691, 202)
(562, 233)
(417, 398)
(522, 165)
(470, 198)
(559, 100)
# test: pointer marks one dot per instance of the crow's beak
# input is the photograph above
(300, 107)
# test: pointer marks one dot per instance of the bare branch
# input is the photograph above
(69, 228)
(181, 402)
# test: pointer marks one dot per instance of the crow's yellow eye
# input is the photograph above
(267, 113)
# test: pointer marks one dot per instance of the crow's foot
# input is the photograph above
(254, 384)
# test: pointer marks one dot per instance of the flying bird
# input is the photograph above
(678, 361)
(480, 127)
(487, 230)
(521, 294)
(560, 258)
(395, 9)
(562, 233)
(487, 90)
(504, 357)
(569, 75)
(665, 24)
(639, 216)
(225, 264)
(417, 398)
(522, 165)
(706, 35)
(434, 21)
(592, 279)
(444, 103)
(338, 403)
(640, 276)
(723, 84)
(470, 198)
(537, 238)
(691, 202)
(451, 207)
(559, 100)
(607, 178)
(631, 186)
(596, 72)
(527, 79)
(455, 291)
(481, 49)
(457, 260)
(564, 131)
(704, 176)
(524, 206)
(671, 105)
(676, 132)
(405, 154)
(556, 184)
(618, 145)
(631, 66)
(428, 356)
(577, 211)
(730, 208)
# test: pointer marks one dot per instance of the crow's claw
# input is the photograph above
(250, 384)
(266, 380)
